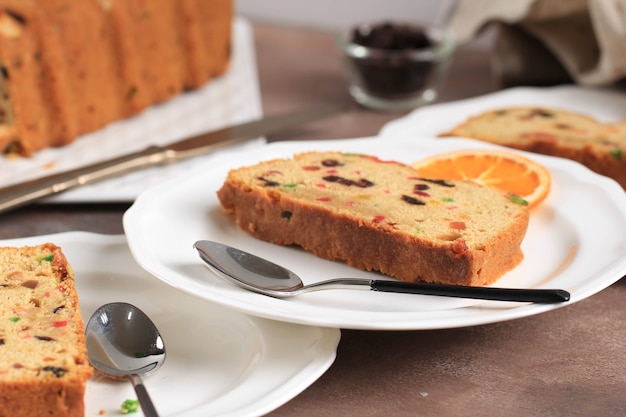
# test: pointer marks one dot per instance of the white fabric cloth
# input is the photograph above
(544, 40)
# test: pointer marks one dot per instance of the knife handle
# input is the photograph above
(20, 194)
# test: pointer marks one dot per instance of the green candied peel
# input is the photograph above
(617, 154)
(130, 406)
(517, 199)
(448, 200)
(290, 185)
(48, 258)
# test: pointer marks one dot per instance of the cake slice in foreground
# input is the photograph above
(379, 215)
(43, 361)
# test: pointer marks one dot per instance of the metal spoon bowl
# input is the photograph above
(122, 342)
(264, 277)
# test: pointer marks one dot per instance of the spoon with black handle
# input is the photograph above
(264, 277)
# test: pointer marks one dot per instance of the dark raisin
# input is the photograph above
(1, 342)
(361, 183)
(412, 200)
(420, 189)
(5, 72)
(331, 163)
(443, 183)
(337, 179)
(44, 338)
(57, 309)
(57, 371)
(20, 19)
(542, 113)
(268, 183)
(286, 214)
(387, 35)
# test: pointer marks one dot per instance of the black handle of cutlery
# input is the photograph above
(482, 293)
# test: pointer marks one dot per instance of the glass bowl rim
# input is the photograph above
(445, 44)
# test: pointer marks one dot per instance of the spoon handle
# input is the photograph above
(142, 395)
(483, 293)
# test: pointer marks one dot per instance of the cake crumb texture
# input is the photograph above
(380, 216)
(72, 67)
(43, 359)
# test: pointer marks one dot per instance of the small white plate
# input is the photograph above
(571, 244)
(219, 362)
(231, 98)
(603, 104)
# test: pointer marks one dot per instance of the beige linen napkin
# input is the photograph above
(549, 41)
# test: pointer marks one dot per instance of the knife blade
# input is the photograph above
(26, 192)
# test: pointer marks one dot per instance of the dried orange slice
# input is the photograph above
(522, 177)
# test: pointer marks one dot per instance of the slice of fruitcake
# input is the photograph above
(557, 132)
(43, 361)
(379, 215)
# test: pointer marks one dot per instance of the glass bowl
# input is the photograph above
(396, 77)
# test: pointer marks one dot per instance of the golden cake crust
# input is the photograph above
(43, 360)
(550, 131)
(379, 227)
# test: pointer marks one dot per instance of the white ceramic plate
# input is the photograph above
(219, 362)
(606, 105)
(231, 98)
(571, 243)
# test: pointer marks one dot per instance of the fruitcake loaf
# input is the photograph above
(557, 132)
(43, 361)
(379, 215)
(72, 67)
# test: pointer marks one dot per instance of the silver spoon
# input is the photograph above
(122, 342)
(264, 277)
